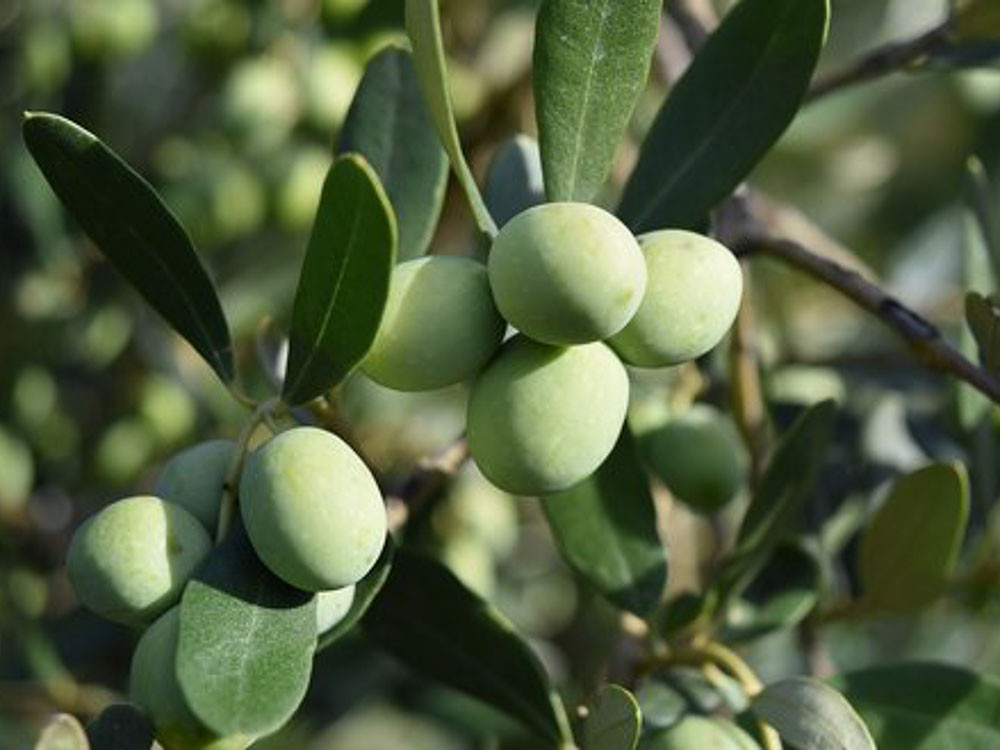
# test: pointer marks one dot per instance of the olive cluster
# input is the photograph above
(311, 509)
(585, 296)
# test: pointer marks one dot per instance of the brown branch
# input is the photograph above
(923, 338)
(889, 58)
(426, 481)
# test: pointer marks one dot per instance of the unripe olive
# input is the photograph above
(312, 509)
(542, 418)
(566, 273)
(692, 295)
(332, 606)
(130, 561)
(695, 732)
(698, 456)
(439, 327)
(153, 685)
(194, 477)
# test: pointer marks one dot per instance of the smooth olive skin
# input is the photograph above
(129, 562)
(698, 456)
(312, 509)
(332, 606)
(542, 418)
(440, 325)
(194, 477)
(700, 733)
(693, 293)
(566, 273)
(153, 685)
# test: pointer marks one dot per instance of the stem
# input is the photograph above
(923, 338)
(747, 397)
(227, 507)
(889, 58)
(718, 655)
(426, 481)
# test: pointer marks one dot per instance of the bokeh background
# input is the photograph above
(231, 110)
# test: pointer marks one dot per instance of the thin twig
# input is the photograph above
(889, 58)
(429, 478)
(923, 338)
(747, 396)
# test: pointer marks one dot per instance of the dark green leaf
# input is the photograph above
(983, 316)
(810, 714)
(423, 25)
(923, 706)
(909, 549)
(126, 219)
(984, 229)
(344, 281)
(783, 593)
(365, 591)
(121, 727)
(389, 125)
(433, 623)
(980, 261)
(514, 179)
(787, 479)
(246, 642)
(62, 732)
(591, 62)
(613, 721)
(737, 97)
(605, 527)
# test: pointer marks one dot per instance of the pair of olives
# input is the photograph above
(547, 406)
(312, 511)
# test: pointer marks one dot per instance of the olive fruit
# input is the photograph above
(698, 456)
(542, 418)
(194, 477)
(129, 562)
(692, 296)
(312, 509)
(332, 606)
(153, 685)
(439, 327)
(566, 273)
(695, 732)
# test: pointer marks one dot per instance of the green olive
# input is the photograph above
(566, 273)
(312, 509)
(698, 456)
(194, 477)
(332, 606)
(439, 327)
(692, 296)
(153, 685)
(131, 560)
(542, 418)
(701, 733)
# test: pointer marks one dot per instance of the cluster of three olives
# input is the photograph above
(312, 511)
(546, 410)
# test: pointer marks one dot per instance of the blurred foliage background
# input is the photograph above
(231, 109)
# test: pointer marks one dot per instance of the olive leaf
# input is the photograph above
(135, 230)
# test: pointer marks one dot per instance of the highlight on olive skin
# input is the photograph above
(153, 685)
(698, 456)
(312, 509)
(129, 562)
(194, 477)
(440, 325)
(693, 293)
(567, 273)
(332, 607)
(542, 418)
